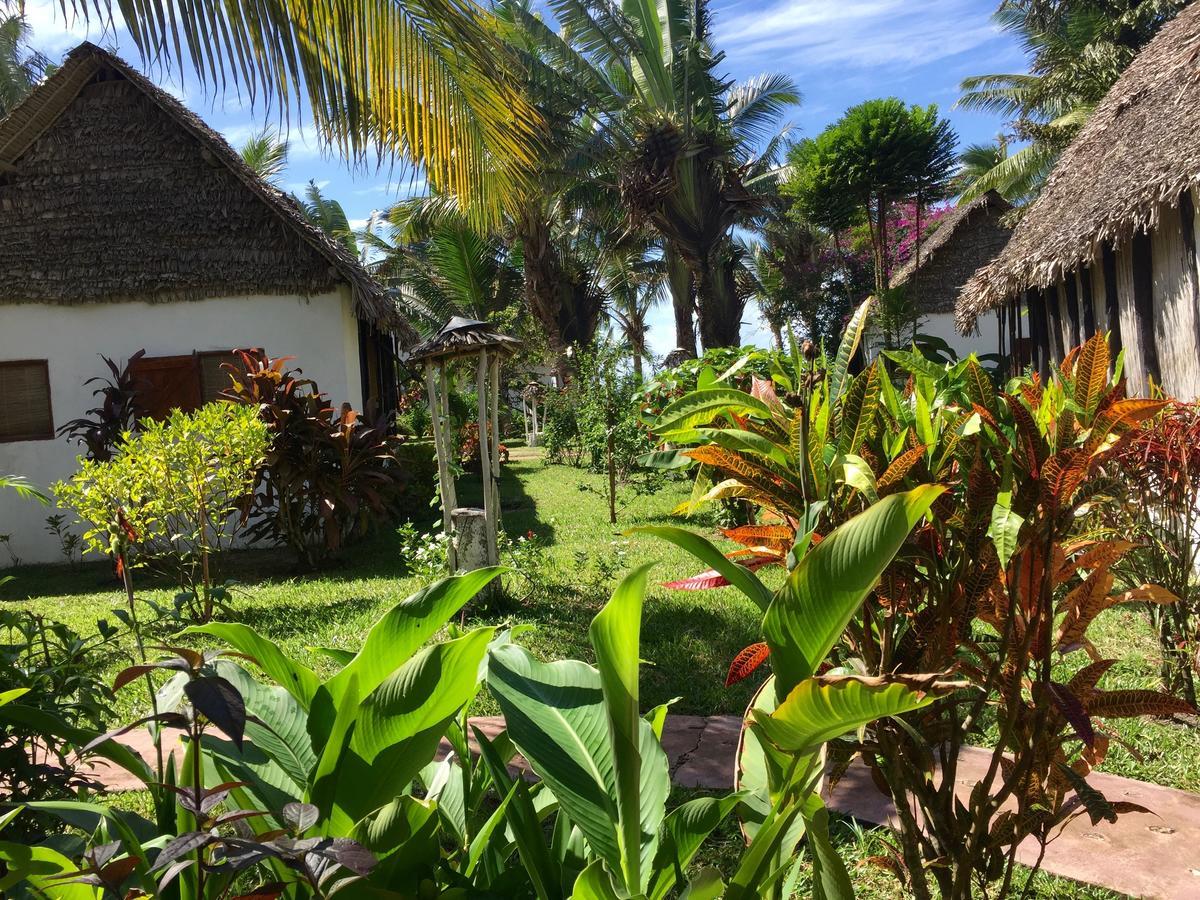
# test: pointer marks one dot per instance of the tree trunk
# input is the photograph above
(543, 278)
(679, 277)
(719, 305)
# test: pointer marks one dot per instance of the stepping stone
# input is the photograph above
(1150, 855)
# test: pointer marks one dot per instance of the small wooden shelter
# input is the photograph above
(465, 339)
(1110, 242)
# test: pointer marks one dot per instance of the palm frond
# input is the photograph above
(267, 154)
(426, 80)
(754, 107)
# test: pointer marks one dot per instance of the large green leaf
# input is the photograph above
(705, 551)
(396, 637)
(641, 794)
(555, 716)
(809, 613)
(701, 407)
(821, 709)
(831, 881)
(42, 868)
(297, 680)
(684, 830)
(846, 350)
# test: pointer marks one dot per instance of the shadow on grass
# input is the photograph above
(287, 620)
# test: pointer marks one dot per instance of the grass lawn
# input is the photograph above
(688, 638)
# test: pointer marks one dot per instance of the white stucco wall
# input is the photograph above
(321, 333)
(985, 338)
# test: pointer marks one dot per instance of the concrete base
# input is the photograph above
(470, 538)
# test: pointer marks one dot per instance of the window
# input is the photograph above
(25, 389)
(166, 383)
(181, 382)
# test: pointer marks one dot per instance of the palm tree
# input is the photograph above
(634, 275)
(20, 68)
(441, 265)
(426, 80)
(1077, 50)
(267, 154)
(686, 142)
(328, 215)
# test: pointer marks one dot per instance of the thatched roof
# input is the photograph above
(968, 237)
(1139, 150)
(463, 337)
(111, 190)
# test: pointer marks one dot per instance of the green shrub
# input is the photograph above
(599, 399)
(175, 493)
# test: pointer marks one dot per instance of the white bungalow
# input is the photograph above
(126, 224)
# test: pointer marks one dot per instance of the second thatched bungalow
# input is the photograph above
(1110, 243)
(967, 238)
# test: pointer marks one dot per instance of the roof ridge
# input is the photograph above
(30, 119)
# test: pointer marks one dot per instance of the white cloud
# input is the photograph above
(854, 33)
(398, 188)
(54, 33)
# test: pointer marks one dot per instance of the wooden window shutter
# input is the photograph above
(168, 382)
(25, 387)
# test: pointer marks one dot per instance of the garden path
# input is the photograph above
(1151, 855)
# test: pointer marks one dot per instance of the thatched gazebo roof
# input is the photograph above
(463, 337)
(1139, 150)
(968, 237)
(111, 190)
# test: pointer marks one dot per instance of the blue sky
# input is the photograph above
(840, 52)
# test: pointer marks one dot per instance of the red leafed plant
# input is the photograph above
(1159, 472)
(328, 476)
(746, 662)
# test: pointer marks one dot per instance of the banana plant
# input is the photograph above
(582, 730)
(318, 770)
(798, 710)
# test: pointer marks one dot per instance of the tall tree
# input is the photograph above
(442, 266)
(879, 153)
(691, 167)
(633, 276)
(1077, 49)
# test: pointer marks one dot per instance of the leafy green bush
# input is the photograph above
(999, 584)
(599, 402)
(54, 672)
(174, 493)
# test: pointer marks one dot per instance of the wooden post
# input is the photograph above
(1010, 313)
(485, 454)
(1187, 222)
(1112, 303)
(1053, 325)
(445, 480)
(1072, 310)
(1089, 302)
(1037, 334)
(1143, 303)
(494, 390)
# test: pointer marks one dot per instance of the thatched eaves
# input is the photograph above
(111, 190)
(968, 237)
(1139, 150)
(463, 337)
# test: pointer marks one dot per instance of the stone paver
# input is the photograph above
(1150, 855)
